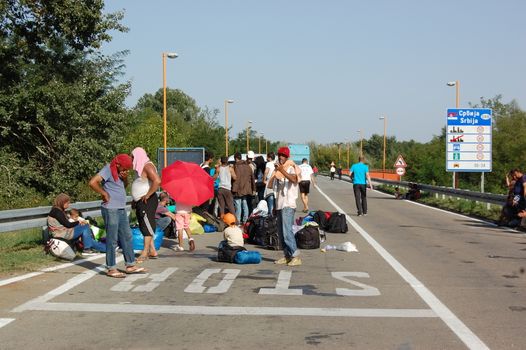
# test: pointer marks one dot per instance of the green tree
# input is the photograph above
(61, 113)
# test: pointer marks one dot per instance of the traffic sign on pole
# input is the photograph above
(400, 162)
(468, 140)
(400, 171)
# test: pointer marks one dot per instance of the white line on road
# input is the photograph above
(449, 318)
(72, 283)
(232, 310)
(5, 321)
(48, 269)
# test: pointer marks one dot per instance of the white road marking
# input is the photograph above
(366, 291)
(72, 283)
(197, 285)
(156, 279)
(449, 318)
(282, 286)
(5, 321)
(233, 310)
(127, 283)
(48, 269)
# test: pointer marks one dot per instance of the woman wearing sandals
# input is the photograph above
(111, 183)
(143, 190)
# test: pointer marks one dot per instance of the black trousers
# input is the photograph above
(360, 196)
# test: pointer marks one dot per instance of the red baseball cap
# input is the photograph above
(284, 151)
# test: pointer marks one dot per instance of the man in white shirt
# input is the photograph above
(286, 175)
(305, 181)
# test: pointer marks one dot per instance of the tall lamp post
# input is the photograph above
(456, 84)
(169, 55)
(226, 125)
(385, 139)
(260, 136)
(249, 123)
(361, 142)
(339, 153)
(348, 153)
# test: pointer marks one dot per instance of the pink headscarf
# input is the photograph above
(140, 158)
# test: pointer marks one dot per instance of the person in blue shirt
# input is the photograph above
(359, 174)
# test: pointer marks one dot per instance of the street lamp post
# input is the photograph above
(169, 55)
(226, 125)
(259, 149)
(339, 153)
(385, 138)
(348, 152)
(456, 84)
(248, 137)
(361, 142)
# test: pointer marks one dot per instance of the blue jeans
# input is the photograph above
(241, 204)
(285, 218)
(270, 204)
(117, 232)
(87, 238)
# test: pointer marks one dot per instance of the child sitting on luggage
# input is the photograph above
(232, 234)
(182, 221)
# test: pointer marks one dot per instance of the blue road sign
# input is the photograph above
(469, 140)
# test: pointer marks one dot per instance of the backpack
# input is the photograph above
(227, 253)
(337, 223)
(308, 237)
(321, 219)
(210, 219)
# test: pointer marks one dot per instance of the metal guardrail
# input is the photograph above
(498, 199)
(19, 219)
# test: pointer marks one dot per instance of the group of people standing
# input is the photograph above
(277, 181)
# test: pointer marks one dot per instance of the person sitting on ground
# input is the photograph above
(413, 193)
(397, 193)
(182, 221)
(60, 227)
(233, 234)
(164, 218)
(509, 212)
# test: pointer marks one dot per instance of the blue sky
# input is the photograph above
(322, 70)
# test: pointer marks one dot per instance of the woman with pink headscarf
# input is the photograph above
(143, 190)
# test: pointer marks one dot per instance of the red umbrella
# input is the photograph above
(187, 183)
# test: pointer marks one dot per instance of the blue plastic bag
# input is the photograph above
(209, 228)
(138, 238)
(247, 257)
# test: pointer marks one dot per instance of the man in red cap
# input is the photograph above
(286, 176)
(114, 178)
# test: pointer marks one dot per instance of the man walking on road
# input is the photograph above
(306, 179)
(359, 173)
(242, 188)
(286, 175)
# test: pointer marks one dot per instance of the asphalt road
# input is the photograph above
(422, 279)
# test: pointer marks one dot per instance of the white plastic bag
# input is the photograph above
(61, 249)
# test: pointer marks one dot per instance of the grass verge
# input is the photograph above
(22, 251)
(457, 205)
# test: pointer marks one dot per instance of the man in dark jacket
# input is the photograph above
(242, 188)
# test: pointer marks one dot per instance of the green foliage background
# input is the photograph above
(62, 113)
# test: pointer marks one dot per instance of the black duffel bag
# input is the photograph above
(308, 237)
(227, 253)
